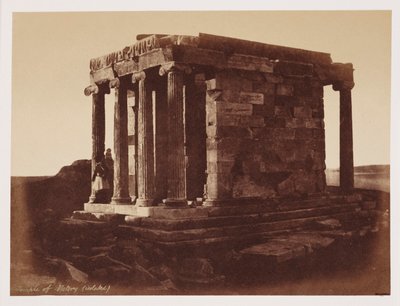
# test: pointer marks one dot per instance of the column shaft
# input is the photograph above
(121, 173)
(161, 139)
(176, 156)
(132, 140)
(145, 146)
(195, 137)
(346, 142)
(98, 133)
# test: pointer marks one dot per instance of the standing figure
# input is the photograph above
(100, 184)
(109, 163)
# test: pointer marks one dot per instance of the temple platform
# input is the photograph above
(160, 211)
(195, 229)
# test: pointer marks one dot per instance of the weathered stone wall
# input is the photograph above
(265, 133)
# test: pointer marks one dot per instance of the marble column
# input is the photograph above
(121, 171)
(195, 138)
(176, 171)
(346, 136)
(98, 126)
(145, 175)
(161, 138)
(132, 140)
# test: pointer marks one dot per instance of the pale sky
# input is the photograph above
(51, 117)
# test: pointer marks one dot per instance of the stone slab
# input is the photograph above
(230, 220)
(109, 208)
(178, 213)
(161, 212)
(107, 217)
(278, 251)
(310, 240)
(288, 247)
(220, 231)
(233, 207)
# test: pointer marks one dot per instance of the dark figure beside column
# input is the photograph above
(109, 163)
(100, 183)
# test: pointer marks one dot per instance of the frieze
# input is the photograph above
(142, 46)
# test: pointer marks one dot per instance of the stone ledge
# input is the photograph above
(284, 248)
(215, 208)
(158, 212)
(159, 235)
(232, 220)
(92, 216)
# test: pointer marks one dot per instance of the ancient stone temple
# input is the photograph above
(207, 127)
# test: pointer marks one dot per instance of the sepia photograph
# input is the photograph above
(200, 153)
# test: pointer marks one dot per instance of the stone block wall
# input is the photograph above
(265, 133)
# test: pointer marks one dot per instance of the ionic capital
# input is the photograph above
(174, 67)
(114, 83)
(91, 89)
(138, 76)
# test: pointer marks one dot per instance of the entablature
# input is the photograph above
(209, 52)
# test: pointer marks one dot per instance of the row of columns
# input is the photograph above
(176, 178)
(176, 191)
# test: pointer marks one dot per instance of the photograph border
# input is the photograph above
(9, 6)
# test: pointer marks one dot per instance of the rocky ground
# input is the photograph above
(58, 255)
(76, 254)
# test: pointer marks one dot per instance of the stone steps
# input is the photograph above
(282, 248)
(230, 220)
(207, 245)
(286, 247)
(284, 205)
(193, 228)
(127, 231)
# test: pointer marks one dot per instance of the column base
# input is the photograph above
(144, 202)
(92, 199)
(175, 203)
(121, 201)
